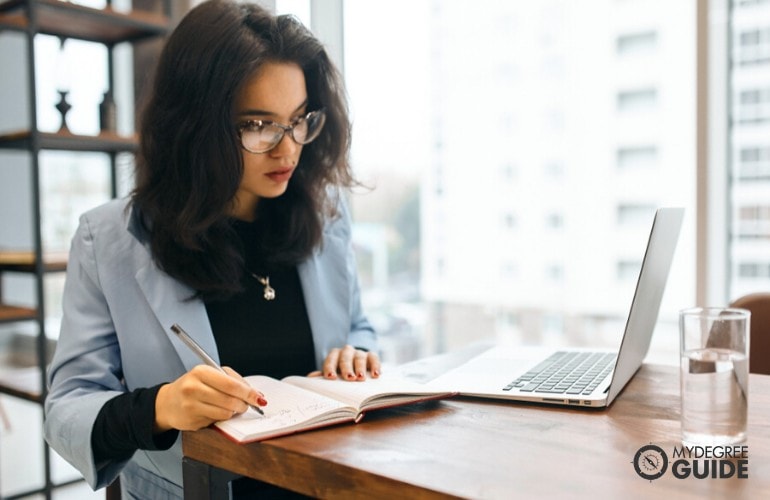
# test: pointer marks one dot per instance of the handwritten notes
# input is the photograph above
(301, 403)
(288, 409)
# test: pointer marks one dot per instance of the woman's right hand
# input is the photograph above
(201, 397)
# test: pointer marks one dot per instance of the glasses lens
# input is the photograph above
(307, 128)
(260, 138)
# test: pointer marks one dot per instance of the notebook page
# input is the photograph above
(289, 408)
(356, 393)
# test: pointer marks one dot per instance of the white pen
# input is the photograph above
(203, 355)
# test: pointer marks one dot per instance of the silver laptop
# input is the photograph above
(574, 376)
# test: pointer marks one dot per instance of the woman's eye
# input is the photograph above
(298, 119)
(257, 126)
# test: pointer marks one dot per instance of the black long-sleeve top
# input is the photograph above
(253, 335)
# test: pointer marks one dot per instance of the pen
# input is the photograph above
(198, 350)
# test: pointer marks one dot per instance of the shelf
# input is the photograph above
(24, 261)
(19, 367)
(25, 348)
(64, 19)
(10, 313)
(106, 142)
(21, 382)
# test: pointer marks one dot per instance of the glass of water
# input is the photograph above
(714, 354)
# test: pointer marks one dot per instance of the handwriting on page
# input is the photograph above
(288, 406)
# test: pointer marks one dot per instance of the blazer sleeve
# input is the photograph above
(86, 367)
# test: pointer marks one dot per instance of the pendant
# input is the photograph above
(269, 292)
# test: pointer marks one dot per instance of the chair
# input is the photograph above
(112, 492)
(759, 343)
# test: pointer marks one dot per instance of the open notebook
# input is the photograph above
(299, 404)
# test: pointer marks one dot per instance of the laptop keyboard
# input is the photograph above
(566, 373)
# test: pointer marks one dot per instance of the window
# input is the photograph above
(753, 105)
(509, 220)
(754, 163)
(753, 222)
(528, 145)
(628, 270)
(637, 157)
(749, 139)
(753, 46)
(555, 272)
(554, 221)
(554, 169)
(637, 43)
(637, 100)
(635, 214)
(754, 270)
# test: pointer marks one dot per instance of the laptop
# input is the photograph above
(577, 376)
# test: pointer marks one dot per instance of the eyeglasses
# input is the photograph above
(260, 136)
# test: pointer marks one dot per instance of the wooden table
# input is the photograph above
(473, 448)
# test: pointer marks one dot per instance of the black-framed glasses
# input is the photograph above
(260, 136)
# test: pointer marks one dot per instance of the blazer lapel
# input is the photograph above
(170, 301)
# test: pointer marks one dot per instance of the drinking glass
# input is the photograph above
(714, 349)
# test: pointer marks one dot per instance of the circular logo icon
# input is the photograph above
(650, 462)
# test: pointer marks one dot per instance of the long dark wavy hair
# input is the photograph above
(189, 165)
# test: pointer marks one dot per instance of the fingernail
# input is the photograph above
(375, 373)
(330, 375)
(262, 401)
(350, 376)
(360, 375)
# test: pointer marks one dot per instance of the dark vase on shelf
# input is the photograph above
(63, 106)
(108, 121)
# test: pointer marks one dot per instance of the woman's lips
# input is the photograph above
(281, 174)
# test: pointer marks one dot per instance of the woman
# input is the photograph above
(236, 230)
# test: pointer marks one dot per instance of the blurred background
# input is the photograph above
(511, 154)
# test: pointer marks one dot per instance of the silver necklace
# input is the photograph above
(269, 292)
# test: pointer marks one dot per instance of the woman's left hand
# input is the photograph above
(349, 363)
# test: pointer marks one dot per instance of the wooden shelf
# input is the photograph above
(24, 261)
(64, 19)
(15, 22)
(20, 374)
(106, 142)
(10, 313)
(21, 382)
(22, 363)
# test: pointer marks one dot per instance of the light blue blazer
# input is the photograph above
(115, 337)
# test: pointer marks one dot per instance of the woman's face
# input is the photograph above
(276, 93)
